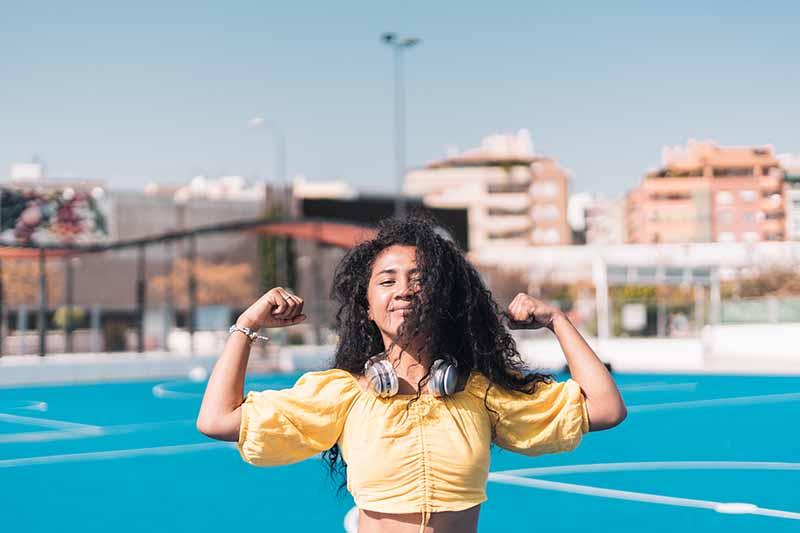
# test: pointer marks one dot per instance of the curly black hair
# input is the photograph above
(453, 314)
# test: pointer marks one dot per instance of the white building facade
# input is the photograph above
(791, 169)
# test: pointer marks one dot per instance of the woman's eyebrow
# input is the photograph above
(393, 270)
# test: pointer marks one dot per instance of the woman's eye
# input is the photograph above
(387, 282)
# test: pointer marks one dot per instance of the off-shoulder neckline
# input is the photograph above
(472, 380)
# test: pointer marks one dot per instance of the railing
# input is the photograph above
(760, 310)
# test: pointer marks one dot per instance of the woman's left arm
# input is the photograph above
(603, 400)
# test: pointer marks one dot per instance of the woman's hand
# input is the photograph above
(526, 312)
(277, 308)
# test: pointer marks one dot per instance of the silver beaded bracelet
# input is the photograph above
(252, 335)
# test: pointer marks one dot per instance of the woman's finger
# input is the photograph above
(286, 295)
(297, 303)
(517, 311)
(280, 304)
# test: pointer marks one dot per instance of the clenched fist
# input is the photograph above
(277, 308)
(526, 312)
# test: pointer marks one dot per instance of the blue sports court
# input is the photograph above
(697, 453)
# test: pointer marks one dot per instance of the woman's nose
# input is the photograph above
(403, 290)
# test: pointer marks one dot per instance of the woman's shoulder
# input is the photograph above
(333, 380)
(482, 386)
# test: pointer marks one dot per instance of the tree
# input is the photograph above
(21, 282)
(225, 284)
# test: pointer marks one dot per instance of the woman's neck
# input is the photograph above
(409, 364)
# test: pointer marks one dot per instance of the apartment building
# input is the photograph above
(704, 192)
(512, 195)
(791, 192)
(606, 221)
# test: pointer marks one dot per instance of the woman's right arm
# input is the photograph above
(220, 412)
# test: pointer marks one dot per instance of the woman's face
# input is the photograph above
(393, 282)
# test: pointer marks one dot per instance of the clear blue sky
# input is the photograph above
(137, 91)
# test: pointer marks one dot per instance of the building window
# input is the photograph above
(733, 172)
(726, 236)
(502, 211)
(750, 236)
(547, 236)
(545, 189)
(725, 216)
(748, 195)
(508, 187)
(724, 198)
(749, 217)
(545, 212)
(511, 234)
(670, 196)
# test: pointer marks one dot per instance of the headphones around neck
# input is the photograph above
(383, 379)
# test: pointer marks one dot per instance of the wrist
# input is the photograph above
(245, 322)
(559, 319)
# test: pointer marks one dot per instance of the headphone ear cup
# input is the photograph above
(382, 378)
(443, 378)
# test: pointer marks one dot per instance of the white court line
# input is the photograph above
(658, 386)
(30, 405)
(651, 465)
(45, 422)
(46, 436)
(735, 400)
(114, 454)
(161, 391)
(722, 507)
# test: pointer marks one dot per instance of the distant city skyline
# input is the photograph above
(148, 92)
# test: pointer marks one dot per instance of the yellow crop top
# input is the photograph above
(436, 458)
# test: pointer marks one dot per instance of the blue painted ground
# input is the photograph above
(117, 457)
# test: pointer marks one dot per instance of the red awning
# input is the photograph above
(342, 235)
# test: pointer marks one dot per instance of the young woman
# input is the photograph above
(426, 377)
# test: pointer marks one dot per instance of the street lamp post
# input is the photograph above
(279, 140)
(399, 44)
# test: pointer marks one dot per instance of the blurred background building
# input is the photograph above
(512, 196)
(702, 237)
(709, 193)
(791, 171)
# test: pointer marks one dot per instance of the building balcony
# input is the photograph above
(507, 223)
(770, 184)
(670, 186)
(772, 226)
(508, 187)
(510, 201)
(771, 204)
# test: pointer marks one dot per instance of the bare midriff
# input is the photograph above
(465, 521)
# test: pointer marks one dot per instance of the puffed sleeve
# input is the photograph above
(286, 426)
(552, 419)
